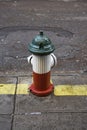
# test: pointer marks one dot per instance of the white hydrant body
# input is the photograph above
(41, 66)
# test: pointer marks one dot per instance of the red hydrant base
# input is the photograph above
(41, 93)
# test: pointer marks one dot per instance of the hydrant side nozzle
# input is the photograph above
(53, 60)
(29, 58)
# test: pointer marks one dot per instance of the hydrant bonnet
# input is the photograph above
(41, 45)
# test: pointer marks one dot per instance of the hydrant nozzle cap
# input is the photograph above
(41, 33)
(41, 45)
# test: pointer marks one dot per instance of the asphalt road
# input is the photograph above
(65, 23)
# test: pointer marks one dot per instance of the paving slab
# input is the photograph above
(31, 103)
(70, 80)
(52, 121)
(23, 85)
(7, 100)
(5, 122)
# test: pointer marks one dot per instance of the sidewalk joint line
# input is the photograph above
(14, 103)
(39, 113)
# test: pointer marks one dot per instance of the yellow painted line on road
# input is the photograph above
(23, 89)
(7, 88)
(70, 90)
(59, 90)
(10, 89)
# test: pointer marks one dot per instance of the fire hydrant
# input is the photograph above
(42, 60)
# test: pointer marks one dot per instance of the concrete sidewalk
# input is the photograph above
(26, 111)
(65, 23)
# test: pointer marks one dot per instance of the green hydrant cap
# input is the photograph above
(41, 45)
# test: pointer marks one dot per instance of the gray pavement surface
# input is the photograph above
(65, 23)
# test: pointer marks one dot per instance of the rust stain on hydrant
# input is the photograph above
(42, 60)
